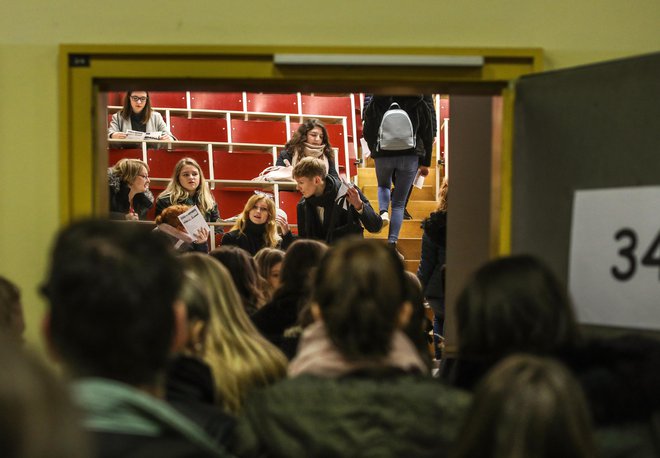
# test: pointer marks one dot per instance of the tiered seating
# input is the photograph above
(116, 154)
(161, 161)
(261, 132)
(231, 101)
(240, 165)
(199, 120)
(199, 129)
(272, 103)
(168, 99)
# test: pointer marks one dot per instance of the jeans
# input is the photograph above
(406, 168)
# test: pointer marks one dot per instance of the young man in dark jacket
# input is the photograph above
(330, 210)
(114, 317)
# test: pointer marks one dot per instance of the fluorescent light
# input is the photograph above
(379, 59)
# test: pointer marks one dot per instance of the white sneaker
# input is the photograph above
(386, 218)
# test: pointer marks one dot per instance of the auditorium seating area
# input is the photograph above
(234, 136)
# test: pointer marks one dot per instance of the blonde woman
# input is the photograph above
(240, 358)
(256, 227)
(188, 187)
(128, 186)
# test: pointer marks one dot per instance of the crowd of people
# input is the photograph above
(306, 345)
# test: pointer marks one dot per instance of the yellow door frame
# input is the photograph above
(88, 70)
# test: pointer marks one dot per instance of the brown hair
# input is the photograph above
(127, 109)
(527, 407)
(309, 167)
(297, 143)
(171, 216)
(270, 234)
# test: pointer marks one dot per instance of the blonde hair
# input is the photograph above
(178, 194)
(270, 234)
(442, 195)
(241, 359)
(128, 169)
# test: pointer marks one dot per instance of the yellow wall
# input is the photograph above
(570, 32)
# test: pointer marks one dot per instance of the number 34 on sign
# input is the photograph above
(614, 274)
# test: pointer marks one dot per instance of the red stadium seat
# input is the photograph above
(161, 162)
(199, 129)
(115, 154)
(240, 165)
(231, 201)
(168, 99)
(228, 101)
(329, 106)
(261, 132)
(272, 103)
(116, 98)
(288, 202)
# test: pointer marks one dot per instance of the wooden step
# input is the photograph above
(410, 248)
(367, 176)
(426, 193)
(409, 229)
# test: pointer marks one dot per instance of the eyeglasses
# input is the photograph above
(135, 98)
(146, 177)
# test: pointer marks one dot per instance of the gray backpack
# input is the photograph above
(396, 130)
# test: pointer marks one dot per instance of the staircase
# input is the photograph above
(422, 202)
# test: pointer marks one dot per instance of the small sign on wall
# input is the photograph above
(614, 272)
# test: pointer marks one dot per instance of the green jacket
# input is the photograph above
(387, 415)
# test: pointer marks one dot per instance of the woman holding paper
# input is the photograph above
(256, 226)
(138, 115)
(188, 187)
(310, 140)
(128, 183)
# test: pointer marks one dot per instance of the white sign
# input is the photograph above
(614, 272)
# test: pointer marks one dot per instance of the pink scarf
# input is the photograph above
(318, 356)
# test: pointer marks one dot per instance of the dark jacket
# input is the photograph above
(422, 115)
(210, 216)
(190, 390)
(434, 254)
(252, 240)
(280, 314)
(336, 221)
(286, 155)
(119, 205)
(383, 414)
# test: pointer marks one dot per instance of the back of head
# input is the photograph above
(240, 358)
(309, 167)
(243, 271)
(300, 261)
(527, 407)
(514, 304)
(11, 310)
(37, 418)
(266, 258)
(111, 289)
(360, 289)
(170, 216)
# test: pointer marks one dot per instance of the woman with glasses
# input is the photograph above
(256, 226)
(138, 115)
(128, 183)
(310, 140)
(188, 187)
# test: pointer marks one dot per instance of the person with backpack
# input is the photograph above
(399, 131)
